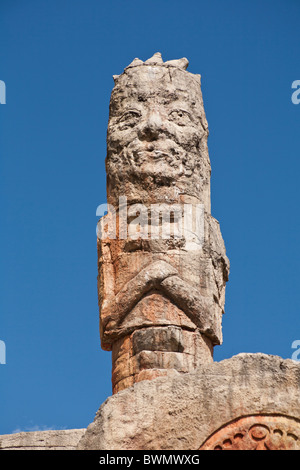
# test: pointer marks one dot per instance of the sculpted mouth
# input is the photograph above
(158, 154)
(154, 155)
(144, 155)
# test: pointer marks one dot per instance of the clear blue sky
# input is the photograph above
(57, 60)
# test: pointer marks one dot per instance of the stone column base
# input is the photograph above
(151, 352)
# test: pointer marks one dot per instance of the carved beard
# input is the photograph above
(170, 164)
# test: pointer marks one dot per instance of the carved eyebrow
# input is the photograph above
(180, 110)
(130, 110)
(172, 95)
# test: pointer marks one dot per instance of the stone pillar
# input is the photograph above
(162, 261)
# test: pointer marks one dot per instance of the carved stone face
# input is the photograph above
(157, 134)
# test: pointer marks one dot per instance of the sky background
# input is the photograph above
(57, 59)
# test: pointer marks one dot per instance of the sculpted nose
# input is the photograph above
(152, 127)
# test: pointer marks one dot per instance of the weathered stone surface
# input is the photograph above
(42, 440)
(157, 135)
(153, 273)
(205, 408)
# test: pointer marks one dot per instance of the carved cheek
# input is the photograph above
(194, 135)
(185, 136)
(121, 137)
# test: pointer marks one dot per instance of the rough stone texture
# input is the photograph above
(149, 352)
(42, 440)
(157, 160)
(157, 136)
(184, 411)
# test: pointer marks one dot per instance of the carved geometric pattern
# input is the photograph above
(261, 432)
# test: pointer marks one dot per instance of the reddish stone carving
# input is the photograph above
(162, 260)
(257, 433)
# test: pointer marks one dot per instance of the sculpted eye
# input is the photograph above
(129, 118)
(180, 117)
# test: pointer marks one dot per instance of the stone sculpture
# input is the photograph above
(161, 298)
(161, 292)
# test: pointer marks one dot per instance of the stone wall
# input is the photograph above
(42, 440)
(250, 401)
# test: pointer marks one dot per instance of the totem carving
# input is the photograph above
(162, 265)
